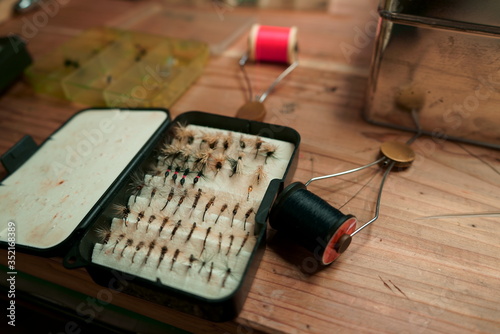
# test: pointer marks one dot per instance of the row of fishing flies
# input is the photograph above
(183, 157)
(234, 246)
(203, 263)
(124, 211)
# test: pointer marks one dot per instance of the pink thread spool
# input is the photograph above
(273, 44)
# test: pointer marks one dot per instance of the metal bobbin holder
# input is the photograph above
(311, 222)
(268, 44)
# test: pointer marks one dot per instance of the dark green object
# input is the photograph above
(18, 154)
(14, 58)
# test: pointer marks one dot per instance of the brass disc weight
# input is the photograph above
(254, 111)
(400, 153)
(409, 98)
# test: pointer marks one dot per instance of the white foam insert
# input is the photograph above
(195, 278)
(54, 190)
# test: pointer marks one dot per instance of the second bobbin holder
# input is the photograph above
(311, 222)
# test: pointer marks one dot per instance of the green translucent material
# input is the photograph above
(117, 68)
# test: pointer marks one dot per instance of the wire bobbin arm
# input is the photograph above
(379, 198)
(283, 74)
(390, 164)
(346, 172)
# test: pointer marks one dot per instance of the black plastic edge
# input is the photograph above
(18, 154)
(272, 193)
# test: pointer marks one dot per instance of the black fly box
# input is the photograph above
(171, 211)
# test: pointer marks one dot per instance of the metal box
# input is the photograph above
(440, 58)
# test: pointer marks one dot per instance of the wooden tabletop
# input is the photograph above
(403, 274)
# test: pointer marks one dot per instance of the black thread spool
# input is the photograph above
(319, 227)
(312, 222)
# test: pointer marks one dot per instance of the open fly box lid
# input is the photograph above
(64, 184)
(200, 259)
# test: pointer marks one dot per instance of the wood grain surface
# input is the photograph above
(403, 274)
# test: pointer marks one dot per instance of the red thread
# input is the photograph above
(272, 44)
(330, 254)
